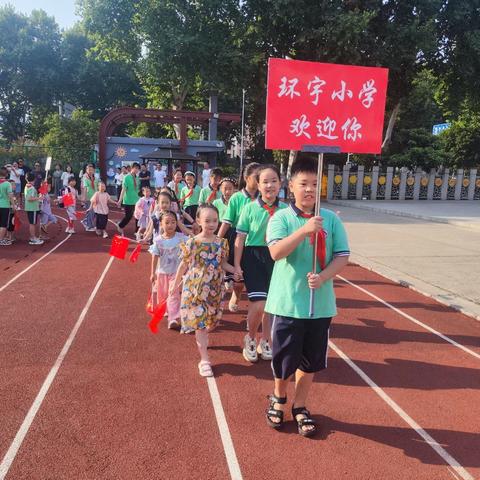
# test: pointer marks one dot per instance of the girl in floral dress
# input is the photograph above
(204, 260)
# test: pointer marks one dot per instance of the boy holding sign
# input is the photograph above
(300, 341)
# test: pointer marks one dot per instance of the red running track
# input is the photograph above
(128, 404)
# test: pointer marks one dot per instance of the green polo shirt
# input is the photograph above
(31, 205)
(221, 207)
(89, 188)
(192, 200)
(131, 186)
(205, 193)
(289, 294)
(5, 193)
(253, 222)
(235, 206)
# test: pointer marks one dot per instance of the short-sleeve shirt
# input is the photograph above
(90, 185)
(142, 175)
(101, 202)
(159, 178)
(130, 187)
(31, 205)
(235, 206)
(221, 206)
(289, 294)
(192, 199)
(206, 192)
(253, 222)
(5, 192)
(168, 251)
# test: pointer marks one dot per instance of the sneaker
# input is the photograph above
(105, 235)
(90, 229)
(35, 241)
(264, 350)
(5, 241)
(250, 349)
(173, 325)
(68, 230)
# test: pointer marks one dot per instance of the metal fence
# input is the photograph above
(402, 184)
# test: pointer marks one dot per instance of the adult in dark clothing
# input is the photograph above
(39, 175)
(144, 177)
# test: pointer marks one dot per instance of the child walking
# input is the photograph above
(165, 251)
(204, 261)
(253, 258)
(299, 340)
(71, 209)
(99, 204)
(247, 194)
(190, 195)
(32, 207)
(46, 215)
(142, 211)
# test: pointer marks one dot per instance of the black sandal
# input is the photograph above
(304, 422)
(273, 412)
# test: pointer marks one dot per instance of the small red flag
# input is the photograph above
(119, 247)
(157, 316)
(16, 222)
(135, 254)
(67, 200)
(43, 188)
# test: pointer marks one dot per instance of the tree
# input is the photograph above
(29, 66)
(71, 140)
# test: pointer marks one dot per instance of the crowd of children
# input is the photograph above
(207, 242)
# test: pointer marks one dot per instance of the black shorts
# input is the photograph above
(299, 344)
(4, 217)
(257, 266)
(101, 221)
(33, 217)
(11, 223)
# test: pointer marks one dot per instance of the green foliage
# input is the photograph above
(71, 140)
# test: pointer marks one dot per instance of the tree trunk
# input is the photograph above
(178, 99)
(391, 124)
(291, 158)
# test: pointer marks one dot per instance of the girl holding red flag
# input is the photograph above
(253, 260)
(165, 251)
(71, 191)
(204, 260)
(190, 195)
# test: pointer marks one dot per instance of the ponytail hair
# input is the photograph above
(248, 170)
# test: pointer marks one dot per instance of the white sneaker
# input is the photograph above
(250, 349)
(90, 229)
(4, 242)
(35, 241)
(264, 350)
(105, 235)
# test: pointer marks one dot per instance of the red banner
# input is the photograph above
(311, 103)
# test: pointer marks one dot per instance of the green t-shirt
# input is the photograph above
(205, 193)
(5, 192)
(130, 186)
(31, 205)
(90, 186)
(193, 199)
(253, 222)
(237, 201)
(289, 294)
(221, 207)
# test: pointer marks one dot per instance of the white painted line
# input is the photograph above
(404, 415)
(413, 319)
(229, 449)
(16, 277)
(37, 403)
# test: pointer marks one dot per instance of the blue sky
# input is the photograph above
(62, 10)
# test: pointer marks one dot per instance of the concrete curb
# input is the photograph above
(368, 207)
(404, 283)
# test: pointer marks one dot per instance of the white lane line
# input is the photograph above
(37, 403)
(16, 277)
(456, 466)
(229, 449)
(413, 319)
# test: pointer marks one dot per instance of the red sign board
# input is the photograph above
(311, 103)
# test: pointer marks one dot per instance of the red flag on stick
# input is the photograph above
(158, 314)
(67, 200)
(16, 222)
(135, 254)
(119, 247)
(43, 188)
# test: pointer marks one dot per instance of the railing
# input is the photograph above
(402, 184)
